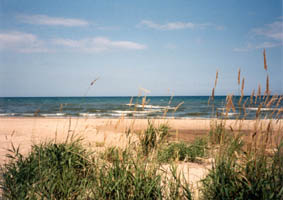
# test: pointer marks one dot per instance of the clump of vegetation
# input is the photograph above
(68, 171)
(125, 177)
(183, 152)
(50, 171)
(152, 137)
(249, 176)
(217, 133)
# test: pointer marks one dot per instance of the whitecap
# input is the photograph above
(89, 114)
(7, 114)
(52, 114)
(151, 106)
(263, 109)
(27, 114)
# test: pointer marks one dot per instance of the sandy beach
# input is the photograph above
(24, 132)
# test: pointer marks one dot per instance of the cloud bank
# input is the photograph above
(30, 43)
(98, 44)
(21, 42)
(271, 33)
(176, 25)
(52, 21)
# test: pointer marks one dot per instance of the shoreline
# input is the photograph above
(176, 123)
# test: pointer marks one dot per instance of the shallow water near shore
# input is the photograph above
(115, 107)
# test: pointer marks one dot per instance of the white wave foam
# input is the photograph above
(136, 112)
(125, 115)
(28, 114)
(7, 114)
(52, 114)
(151, 106)
(230, 113)
(89, 114)
(117, 114)
(263, 109)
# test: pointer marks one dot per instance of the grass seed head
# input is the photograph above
(216, 78)
(264, 59)
(239, 76)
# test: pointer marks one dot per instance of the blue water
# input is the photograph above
(104, 107)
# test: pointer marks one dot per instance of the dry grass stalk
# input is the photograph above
(244, 107)
(212, 94)
(229, 104)
(264, 58)
(242, 92)
(279, 101)
(267, 92)
(143, 102)
(279, 113)
(258, 110)
(147, 102)
(239, 76)
(255, 131)
(178, 106)
(145, 90)
(268, 134)
(131, 101)
(216, 78)
(272, 100)
(258, 93)
(171, 98)
(240, 100)
(252, 96)
(165, 112)
(243, 86)
(92, 82)
(266, 100)
(273, 112)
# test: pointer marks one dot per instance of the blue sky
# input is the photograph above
(56, 48)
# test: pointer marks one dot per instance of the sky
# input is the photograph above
(57, 48)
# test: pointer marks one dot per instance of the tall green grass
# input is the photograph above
(182, 152)
(153, 137)
(50, 171)
(69, 171)
(245, 176)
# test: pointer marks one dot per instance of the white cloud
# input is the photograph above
(168, 26)
(21, 42)
(263, 45)
(52, 21)
(177, 25)
(98, 44)
(272, 31)
(30, 43)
